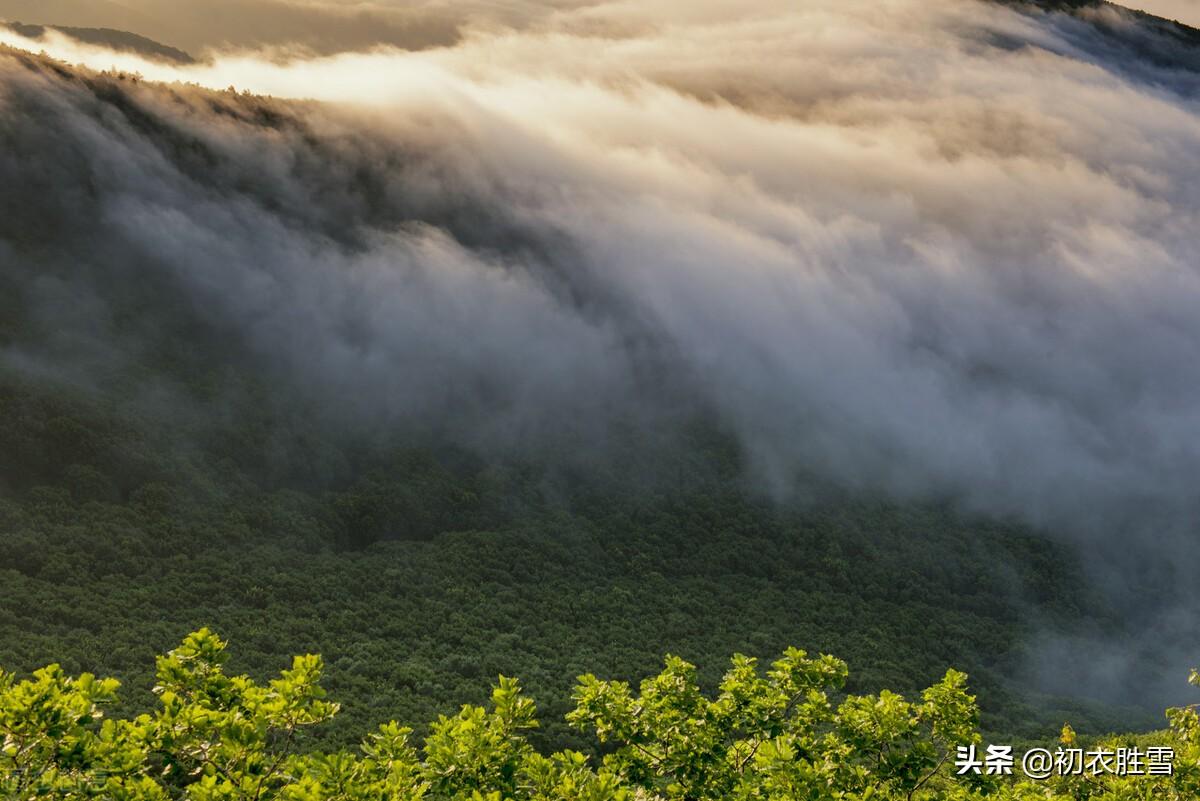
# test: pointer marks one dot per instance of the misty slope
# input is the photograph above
(203, 491)
(1137, 44)
(120, 41)
(491, 370)
(423, 578)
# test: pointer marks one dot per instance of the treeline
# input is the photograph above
(787, 734)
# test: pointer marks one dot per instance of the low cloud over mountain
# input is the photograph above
(928, 250)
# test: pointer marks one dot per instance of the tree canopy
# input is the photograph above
(787, 732)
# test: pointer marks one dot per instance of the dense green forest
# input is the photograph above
(787, 735)
(422, 576)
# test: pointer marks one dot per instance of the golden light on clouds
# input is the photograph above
(886, 179)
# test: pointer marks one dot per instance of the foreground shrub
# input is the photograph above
(785, 733)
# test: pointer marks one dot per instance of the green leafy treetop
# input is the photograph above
(772, 737)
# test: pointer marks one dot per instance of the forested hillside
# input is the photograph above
(424, 577)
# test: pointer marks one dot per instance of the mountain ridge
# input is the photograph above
(138, 39)
(111, 38)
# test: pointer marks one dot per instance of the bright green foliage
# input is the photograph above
(50, 736)
(774, 737)
(788, 734)
(478, 751)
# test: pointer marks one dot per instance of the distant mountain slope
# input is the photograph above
(1160, 24)
(1132, 43)
(320, 27)
(81, 13)
(121, 41)
(1173, 28)
(1184, 11)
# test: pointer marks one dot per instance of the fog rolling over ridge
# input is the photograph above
(926, 250)
(1185, 11)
